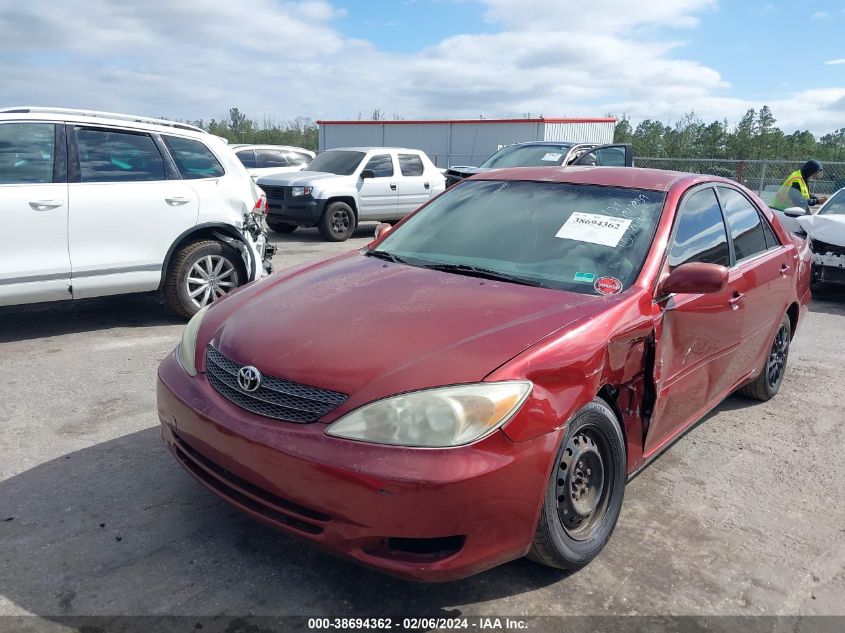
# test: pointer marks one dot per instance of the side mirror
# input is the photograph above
(382, 229)
(795, 212)
(695, 278)
(368, 173)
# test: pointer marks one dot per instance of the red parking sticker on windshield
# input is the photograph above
(607, 285)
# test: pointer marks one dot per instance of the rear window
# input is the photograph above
(247, 158)
(193, 159)
(411, 165)
(118, 156)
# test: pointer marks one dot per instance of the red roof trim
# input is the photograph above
(470, 121)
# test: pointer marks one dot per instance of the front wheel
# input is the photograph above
(585, 490)
(338, 222)
(768, 383)
(200, 273)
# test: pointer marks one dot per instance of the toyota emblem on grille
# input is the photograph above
(249, 378)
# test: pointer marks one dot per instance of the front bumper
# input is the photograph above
(421, 514)
(302, 210)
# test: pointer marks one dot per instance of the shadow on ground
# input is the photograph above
(18, 323)
(119, 528)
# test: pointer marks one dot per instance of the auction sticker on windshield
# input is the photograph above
(607, 286)
(594, 228)
(552, 156)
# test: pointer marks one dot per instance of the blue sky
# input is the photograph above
(430, 58)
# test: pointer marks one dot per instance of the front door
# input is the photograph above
(696, 336)
(126, 211)
(34, 261)
(378, 195)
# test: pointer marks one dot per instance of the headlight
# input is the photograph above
(187, 350)
(440, 417)
(301, 191)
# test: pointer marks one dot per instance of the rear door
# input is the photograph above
(34, 260)
(378, 195)
(766, 267)
(696, 336)
(413, 186)
(617, 155)
(127, 206)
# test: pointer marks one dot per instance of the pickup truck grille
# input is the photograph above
(275, 397)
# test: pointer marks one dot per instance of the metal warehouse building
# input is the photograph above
(462, 141)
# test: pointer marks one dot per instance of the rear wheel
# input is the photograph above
(768, 383)
(338, 222)
(200, 273)
(585, 491)
(281, 227)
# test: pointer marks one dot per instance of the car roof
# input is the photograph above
(629, 177)
(552, 143)
(293, 148)
(97, 118)
(374, 148)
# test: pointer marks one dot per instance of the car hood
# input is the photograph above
(297, 178)
(824, 228)
(368, 328)
(465, 171)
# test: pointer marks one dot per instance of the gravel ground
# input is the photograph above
(742, 516)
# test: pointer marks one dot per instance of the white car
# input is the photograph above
(99, 204)
(826, 232)
(342, 187)
(264, 160)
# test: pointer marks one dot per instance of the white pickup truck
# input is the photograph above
(343, 187)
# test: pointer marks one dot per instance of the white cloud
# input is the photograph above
(820, 15)
(835, 62)
(196, 58)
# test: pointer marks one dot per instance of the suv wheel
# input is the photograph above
(200, 273)
(281, 227)
(338, 222)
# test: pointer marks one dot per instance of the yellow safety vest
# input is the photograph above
(782, 200)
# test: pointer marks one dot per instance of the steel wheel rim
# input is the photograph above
(583, 483)
(210, 278)
(340, 222)
(777, 358)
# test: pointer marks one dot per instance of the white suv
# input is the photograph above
(95, 203)
(342, 187)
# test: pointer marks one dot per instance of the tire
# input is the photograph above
(196, 258)
(281, 227)
(766, 385)
(591, 463)
(338, 222)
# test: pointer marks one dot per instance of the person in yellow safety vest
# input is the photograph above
(794, 192)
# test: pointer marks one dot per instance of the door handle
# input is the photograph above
(45, 205)
(393, 186)
(736, 300)
(784, 270)
(176, 201)
(426, 185)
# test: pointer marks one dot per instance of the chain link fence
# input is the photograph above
(764, 177)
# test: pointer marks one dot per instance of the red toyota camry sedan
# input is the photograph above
(479, 383)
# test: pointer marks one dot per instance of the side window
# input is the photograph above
(117, 156)
(297, 158)
(26, 153)
(410, 165)
(271, 158)
(382, 165)
(771, 240)
(700, 235)
(744, 222)
(193, 158)
(247, 158)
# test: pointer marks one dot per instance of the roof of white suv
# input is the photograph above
(97, 117)
(293, 148)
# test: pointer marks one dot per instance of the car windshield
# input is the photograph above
(836, 205)
(338, 162)
(555, 235)
(528, 156)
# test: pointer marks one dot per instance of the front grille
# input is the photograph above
(274, 193)
(823, 248)
(275, 397)
(242, 493)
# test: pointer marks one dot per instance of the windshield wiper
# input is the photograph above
(390, 257)
(486, 273)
